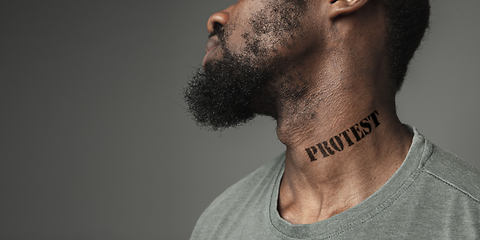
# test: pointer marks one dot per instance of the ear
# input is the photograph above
(344, 7)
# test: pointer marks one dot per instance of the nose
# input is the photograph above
(221, 17)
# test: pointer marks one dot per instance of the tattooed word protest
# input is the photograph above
(346, 138)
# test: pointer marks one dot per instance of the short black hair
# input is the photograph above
(407, 22)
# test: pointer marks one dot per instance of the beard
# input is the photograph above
(232, 90)
(223, 95)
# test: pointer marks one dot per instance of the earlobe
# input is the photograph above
(345, 7)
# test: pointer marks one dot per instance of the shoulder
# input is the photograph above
(454, 172)
(243, 203)
(263, 176)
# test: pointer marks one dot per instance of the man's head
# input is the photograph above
(259, 50)
(249, 47)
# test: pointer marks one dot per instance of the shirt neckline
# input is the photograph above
(417, 155)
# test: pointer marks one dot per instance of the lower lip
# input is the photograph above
(206, 59)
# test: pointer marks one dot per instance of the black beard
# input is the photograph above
(221, 96)
(231, 91)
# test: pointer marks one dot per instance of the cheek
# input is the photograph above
(270, 31)
(273, 29)
(263, 44)
(236, 41)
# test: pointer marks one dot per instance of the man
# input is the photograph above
(328, 71)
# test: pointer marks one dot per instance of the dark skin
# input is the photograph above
(337, 57)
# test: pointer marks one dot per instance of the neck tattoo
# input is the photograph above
(346, 138)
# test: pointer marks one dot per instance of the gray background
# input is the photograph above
(95, 139)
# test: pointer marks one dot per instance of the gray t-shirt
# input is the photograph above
(433, 195)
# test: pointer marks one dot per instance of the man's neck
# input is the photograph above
(338, 156)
